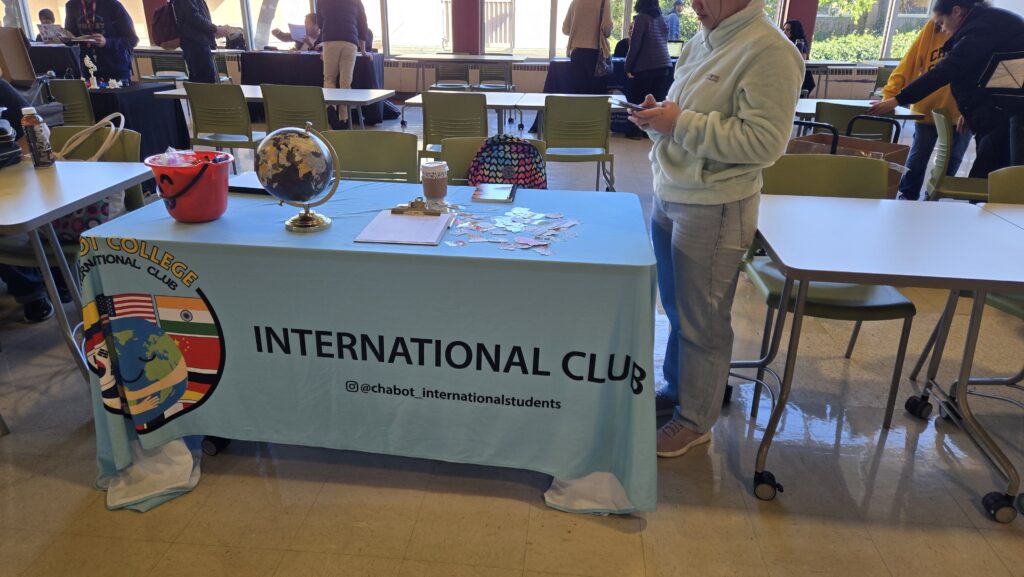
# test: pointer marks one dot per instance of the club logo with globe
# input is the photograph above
(156, 357)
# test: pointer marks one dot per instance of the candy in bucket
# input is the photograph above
(193, 183)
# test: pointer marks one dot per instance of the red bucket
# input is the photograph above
(196, 192)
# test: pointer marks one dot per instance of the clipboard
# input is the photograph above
(415, 229)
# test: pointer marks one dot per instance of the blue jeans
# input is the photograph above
(925, 136)
(23, 283)
(699, 249)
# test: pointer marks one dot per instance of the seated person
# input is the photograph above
(310, 42)
(23, 283)
(45, 17)
(112, 35)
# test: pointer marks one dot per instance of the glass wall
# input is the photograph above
(849, 30)
(227, 13)
(134, 8)
(910, 17)
(268, 15)
(10, 15)
(521, 27)
(419, 26)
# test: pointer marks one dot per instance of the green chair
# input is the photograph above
(884, 72)
(376, 155)
(840, 115)
(1006, 186)
(220, 116)
(460, 152)
(451, 115)
(450, 76)
(294, 106)
(16, 250)
(955, 187)
(221, 60)
(578, 129)
(494, 78)
(169, 67)
(832, 176)
(75, 97)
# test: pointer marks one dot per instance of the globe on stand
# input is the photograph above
(298, 166)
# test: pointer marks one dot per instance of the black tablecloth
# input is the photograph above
(161, 122)
(306, 69)
(64, 61)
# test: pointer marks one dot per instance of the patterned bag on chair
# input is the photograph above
(506, 159)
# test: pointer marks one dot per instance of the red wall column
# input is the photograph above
(466, 18)
(805, 11)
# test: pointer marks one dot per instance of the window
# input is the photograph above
(134, 8)
(373, 22)
(9, 13)
(521, 27)
(910, 17)
(226, 13)
(419, 26)
(268, 15)
(849, 30)
(617, 8)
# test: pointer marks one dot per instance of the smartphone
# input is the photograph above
(629, 105)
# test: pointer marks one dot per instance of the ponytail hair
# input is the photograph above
(945, 7)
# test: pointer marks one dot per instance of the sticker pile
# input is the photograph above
(518, 229)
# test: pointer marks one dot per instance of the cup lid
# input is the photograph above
(434, 168)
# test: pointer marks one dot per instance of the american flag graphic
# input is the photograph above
(126, 305)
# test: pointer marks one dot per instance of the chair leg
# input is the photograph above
(853, 339)
(897, 372)
(928, 346)
(766, 340)
(609, 176)
(597, 182)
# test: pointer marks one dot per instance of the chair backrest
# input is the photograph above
(827, 175)
(493, 74)
(218, 108)
(840, 115)
(15, 64)
(451, 72)
(75, 97)
(168, 63)
(376, 155)
(294, 106)
(884, 72)
(459, 153)
(943, 148)
(449, 115)
(1006, 185)
(124, 149)
(577, 122)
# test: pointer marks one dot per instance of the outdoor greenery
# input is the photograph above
(688, 23)
(859, 47)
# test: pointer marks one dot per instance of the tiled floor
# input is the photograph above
(859, 501)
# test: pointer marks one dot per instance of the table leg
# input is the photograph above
(999, 505)
(70, 279)
(51, 290)
(500, 112)
(919, 405)
(765, 485)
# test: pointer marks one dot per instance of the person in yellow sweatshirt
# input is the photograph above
(924, 53)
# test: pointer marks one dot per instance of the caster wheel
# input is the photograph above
(521, 127)
(1000, 506)
(765, 486)
(728, 395)
(214, 445)
(918, 406)
(404, 124)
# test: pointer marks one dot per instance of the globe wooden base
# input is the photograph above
(307, 221)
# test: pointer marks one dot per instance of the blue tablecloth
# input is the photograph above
(468, 354)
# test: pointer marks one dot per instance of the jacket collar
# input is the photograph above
(733, 25)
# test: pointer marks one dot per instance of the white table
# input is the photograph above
(805, 108)
(507, 59)
(1013, 213)
(500, 102)
(876, 242)
(31, 199)
(348, 97)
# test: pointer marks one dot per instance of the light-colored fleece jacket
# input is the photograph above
(737, 86)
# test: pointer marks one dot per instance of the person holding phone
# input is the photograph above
(728, 115)
(111, 35)
(647, 63)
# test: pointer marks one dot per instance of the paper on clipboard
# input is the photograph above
(297, 31)
(391, 228)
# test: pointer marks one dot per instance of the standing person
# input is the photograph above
(198, 39)
(588, 24)
(672, 20)
(647, 62)
(794, 30)
(925, 53)
(343, 31)
(111, 32)
(728, 115)
(977, 31)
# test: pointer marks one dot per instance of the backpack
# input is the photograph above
(165, 27)
(506, 159)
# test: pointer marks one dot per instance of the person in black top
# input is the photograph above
(198, 38)
(977, 31)
(794, 30)
(648, 65)
(112, 35)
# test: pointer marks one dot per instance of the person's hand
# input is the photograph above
(659, 118)
(961, 126)
(98, 40)
(883, 107)
(221, 32)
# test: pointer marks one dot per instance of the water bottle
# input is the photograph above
(38, 135)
